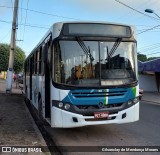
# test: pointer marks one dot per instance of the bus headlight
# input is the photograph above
(67, 106)
(129, 102)
(63, 105)
(60, 104)
(135, 100)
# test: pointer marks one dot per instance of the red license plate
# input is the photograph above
(100, 114)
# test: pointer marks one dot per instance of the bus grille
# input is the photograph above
(100, 119)
(97, 94)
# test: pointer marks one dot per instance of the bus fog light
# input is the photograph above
(129, 102)
(67, 106)
(60, 105)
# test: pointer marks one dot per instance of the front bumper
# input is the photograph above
(64, 119)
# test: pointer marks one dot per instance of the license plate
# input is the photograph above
(100, 114)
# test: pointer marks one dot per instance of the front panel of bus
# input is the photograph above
(94, 76)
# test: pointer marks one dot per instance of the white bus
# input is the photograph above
(84, 73)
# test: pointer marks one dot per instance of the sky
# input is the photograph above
(36, 16)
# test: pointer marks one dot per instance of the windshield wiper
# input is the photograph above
(115, 46)
(85, 49)
(112, 51)
(108, 57)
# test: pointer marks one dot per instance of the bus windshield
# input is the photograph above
(94, 63)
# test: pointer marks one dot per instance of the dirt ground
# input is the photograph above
(16, 125)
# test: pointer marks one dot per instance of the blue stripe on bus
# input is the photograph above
(94, 96)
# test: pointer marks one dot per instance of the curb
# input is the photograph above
(10, 94)
(151, 102)
(39, 134)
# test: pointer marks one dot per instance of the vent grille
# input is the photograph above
(100, 119)
(97, 94)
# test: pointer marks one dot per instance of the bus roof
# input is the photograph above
(58, 26)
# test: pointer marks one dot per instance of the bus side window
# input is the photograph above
(36, 62)
(27, 67)
(33, 64)
(52, 60)
(57, 58)
(40, 60)
(49, 52)
(43, 57)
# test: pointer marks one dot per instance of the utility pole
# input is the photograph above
(12, 46)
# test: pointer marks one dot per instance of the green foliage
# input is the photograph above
(4, 57)
(19, 57)
(152, 58)
(142, 57)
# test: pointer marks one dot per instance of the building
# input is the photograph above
(149, 75)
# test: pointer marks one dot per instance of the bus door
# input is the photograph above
(47, 81)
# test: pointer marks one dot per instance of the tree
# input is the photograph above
(4, 56)
(19, 57)
(142, 57)
(152, 58)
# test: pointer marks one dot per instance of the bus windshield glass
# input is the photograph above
(94, 63)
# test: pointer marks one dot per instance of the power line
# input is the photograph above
(12, 5)
(5, 35)
(143, 47)
(20, 30)
(136, 10)
(44, 13)
(4, 6)
(54, 15)
(151, 50)
(34, 26)
(3, 21)
(151, 47)
(156, 29)
(25, 22)
(153, 53)
(29, 25)
(144, 25)
(148, 29)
